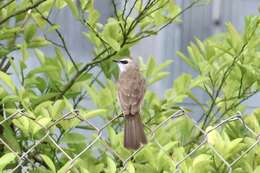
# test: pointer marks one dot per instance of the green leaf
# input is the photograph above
(83, 170)
(187, 60)
(163, 65)
(233, 145)
(40, 56)
(150, 67)
(111, 34)
(92, 37)
(257, 169)
(215, 139)
(38, 42)
(112, 42)
(43, 107)
(45, 7)
(61, 59)
(130, 167)
(201, 163)
(3, 52)
(39, 20)
(11, 8)
(158, 77)
(113, 137)
(235, 38)
(73, 8)
(43, 98)
(58, 107)
(60, 4)
(68, 105)
(167, 147)
(29, 32)
(182, 83)
(7, 80)
(173, 9)
(73, 138)
(48, 162)
(42, 121)
(53, 27)
(111, 166)
(24, 124)
(10, 138)
(93, 13)
(91, 114)
(10, 99)
(25, 54)
(196, 100)
(7, 33)
(65, 168)
(6, 159)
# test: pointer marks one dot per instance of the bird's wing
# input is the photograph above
(137, 95)
(123, 96)
(123, 99)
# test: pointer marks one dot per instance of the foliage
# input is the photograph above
(227, 67)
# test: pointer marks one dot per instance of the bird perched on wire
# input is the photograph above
(131, 89)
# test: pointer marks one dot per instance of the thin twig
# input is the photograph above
(87, 67)
(117, 16)
(165, 25)
(61, 39)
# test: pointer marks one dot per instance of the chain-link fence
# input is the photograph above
(22, 157)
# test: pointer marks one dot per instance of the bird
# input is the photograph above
(130, 90)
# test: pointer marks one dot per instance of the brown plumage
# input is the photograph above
(131, 89)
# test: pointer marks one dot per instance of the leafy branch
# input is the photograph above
(127, 31)
(64, 45)
(147, 33)
(22, 11)
(225, 76)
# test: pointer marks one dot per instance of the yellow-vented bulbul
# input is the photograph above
(131, 88)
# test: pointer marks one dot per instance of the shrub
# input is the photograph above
(59, 116)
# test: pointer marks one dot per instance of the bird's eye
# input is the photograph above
(123, 61)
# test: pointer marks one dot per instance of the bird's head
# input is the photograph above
(126, 63)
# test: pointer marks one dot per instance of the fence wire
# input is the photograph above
(22, 157)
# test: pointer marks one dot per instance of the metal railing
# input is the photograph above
(22, 157)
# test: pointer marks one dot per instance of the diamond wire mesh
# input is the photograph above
(21, 157)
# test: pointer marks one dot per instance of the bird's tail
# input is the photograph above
(134, 132)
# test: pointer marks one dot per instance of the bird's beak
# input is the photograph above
(116, 61)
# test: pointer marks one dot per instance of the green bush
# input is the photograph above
(57, 101)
